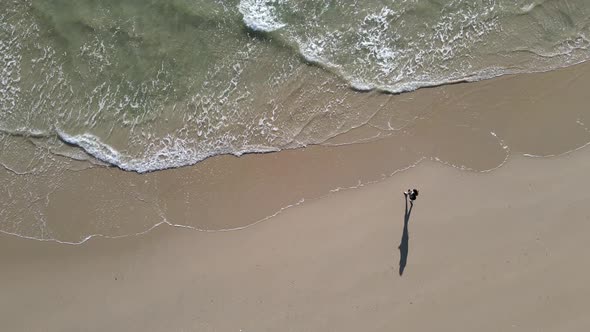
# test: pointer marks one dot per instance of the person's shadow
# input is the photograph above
(403, 246)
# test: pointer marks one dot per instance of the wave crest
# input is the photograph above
(261, 15)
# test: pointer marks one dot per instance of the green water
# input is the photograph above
(158, 84)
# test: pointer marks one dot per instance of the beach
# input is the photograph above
(498, 246)
(504, 250)
(475, 127)
(240, 166)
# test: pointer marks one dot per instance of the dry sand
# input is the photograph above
(499, 251)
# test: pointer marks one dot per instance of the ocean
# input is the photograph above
(153, 85)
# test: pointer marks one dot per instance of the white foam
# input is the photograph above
(93, 146)
(170, 153)
(360, 86)
(382, 63)
(528, 8)
(261, 15)
(10, 67)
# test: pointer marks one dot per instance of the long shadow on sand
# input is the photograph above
(404, 245)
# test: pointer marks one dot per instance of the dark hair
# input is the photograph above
(415, 192)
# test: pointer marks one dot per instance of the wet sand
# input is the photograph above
(472, 126)
(504, 250)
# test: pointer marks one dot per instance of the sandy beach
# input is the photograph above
(239, 166)
(472, 126)
(496, 239)
(504, 250)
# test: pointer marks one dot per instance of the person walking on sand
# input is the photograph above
(404, 244)
(412, 194)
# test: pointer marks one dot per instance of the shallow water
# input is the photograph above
(148, 86)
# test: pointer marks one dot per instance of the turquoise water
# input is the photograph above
(149, 85)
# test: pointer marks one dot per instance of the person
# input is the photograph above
(412, 194)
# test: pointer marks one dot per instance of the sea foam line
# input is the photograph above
(183, 155)
(260, 15)
(359, 185)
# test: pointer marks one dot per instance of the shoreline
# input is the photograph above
(475, 126)
(483, 251)
(241, 153)
(359, 186)
(178, 166)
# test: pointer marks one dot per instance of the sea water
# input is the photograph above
(149, 85)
